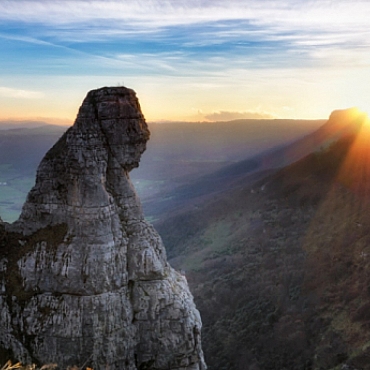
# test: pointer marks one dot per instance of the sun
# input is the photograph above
(360, 113)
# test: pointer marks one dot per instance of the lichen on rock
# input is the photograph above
(84, 278)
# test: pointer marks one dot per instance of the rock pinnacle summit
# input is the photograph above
(84, 278)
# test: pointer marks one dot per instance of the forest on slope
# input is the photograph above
(278, 265)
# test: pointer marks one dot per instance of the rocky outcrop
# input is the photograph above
(84, 277)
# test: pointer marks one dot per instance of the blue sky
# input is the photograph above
(187, 60)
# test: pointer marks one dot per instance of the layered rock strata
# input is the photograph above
(84, 278)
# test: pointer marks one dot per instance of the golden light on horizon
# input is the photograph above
(358, 112)
(355, 170)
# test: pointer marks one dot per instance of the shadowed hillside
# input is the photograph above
(279, 268)
(341, 122)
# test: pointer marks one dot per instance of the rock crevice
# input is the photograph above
(83, 276)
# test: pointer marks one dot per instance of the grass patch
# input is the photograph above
(215, 242)
(11, 202)
(217, 235)
(14, 187)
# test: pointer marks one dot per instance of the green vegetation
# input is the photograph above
(279, 268)
(21, 150)
(13, 193)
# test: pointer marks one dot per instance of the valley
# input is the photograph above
(177, 153)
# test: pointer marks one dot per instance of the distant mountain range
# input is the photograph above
(339, 123)
(22, 124)
(177, 152)
(278, 260)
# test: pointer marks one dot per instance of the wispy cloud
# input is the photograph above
(259, 31)
(229, 116)
(175, 12)
(6, 92)
(245, 49)
(117, 18)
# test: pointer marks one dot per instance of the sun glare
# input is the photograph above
(355, 170)
(361, 117)
(367, 120)
(357, 112)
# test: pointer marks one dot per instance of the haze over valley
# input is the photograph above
(177, 152)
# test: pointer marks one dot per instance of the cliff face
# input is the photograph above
(83, 277)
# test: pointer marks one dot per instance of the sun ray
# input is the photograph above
(355, 170)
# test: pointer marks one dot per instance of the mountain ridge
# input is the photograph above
(339, 123)
(279, 267)
(167, 163)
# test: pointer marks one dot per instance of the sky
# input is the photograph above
(189, 60)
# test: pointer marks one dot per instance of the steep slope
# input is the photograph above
(340, 123)
(84, 278)
(180, 152)
(279, 269)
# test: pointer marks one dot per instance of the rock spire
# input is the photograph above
(84, 278)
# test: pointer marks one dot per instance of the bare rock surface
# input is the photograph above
(84, 278)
